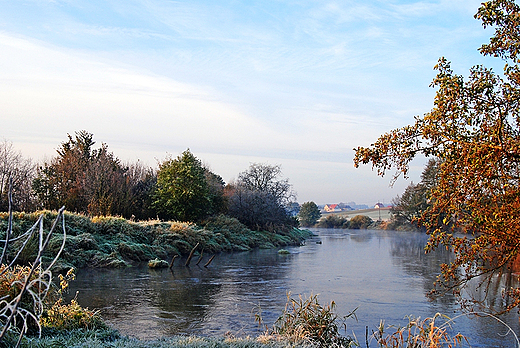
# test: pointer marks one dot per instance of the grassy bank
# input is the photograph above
(117, 242)
(107, 338)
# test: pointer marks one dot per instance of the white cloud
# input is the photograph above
(48, 89)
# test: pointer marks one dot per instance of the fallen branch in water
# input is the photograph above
(173, 260)
(200, 256)
(209, 261)
(191, 254)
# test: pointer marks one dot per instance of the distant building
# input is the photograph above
(336, 208)
(379, 206)
(329, 208)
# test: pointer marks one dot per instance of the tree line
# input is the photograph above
(93, 181)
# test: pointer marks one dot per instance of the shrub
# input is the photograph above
(12, 283)
(360, 222)
(333, 221)
(69, 317)
(156, 263)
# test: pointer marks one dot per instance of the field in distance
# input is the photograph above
(374, 214)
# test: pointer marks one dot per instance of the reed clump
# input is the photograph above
(419, 333)
(305, 321)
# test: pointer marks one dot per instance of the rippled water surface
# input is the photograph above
(384, 274)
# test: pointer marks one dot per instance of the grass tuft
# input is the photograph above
(305, 321)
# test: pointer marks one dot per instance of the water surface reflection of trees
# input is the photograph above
(154, 303)
(407, 251)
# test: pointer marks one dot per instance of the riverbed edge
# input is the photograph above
(115, 242)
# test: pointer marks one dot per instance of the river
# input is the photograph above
(384, 274)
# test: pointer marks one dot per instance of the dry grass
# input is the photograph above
(305, 321)
(419, 333)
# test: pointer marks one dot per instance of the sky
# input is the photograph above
(293, 83)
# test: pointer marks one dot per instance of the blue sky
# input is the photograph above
(295, 83)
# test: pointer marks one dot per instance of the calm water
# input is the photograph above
(385, 275)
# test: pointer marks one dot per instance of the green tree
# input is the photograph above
(416, 199)
(474, 130)
(183, 190)
(309, 214)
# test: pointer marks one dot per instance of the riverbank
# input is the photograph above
(113, 242)
(110, 339)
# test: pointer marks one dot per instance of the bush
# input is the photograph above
(70, 317)
(12, 282)
(360, 222)
(333, 221)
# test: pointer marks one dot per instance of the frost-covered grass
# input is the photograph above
(117, 242)
(108, 338)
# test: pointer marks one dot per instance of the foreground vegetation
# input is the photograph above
(303, 323)
(110, 339)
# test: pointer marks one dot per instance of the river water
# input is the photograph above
(384, 274)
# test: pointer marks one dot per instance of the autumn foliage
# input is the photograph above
(473, 131)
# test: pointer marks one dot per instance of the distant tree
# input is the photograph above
(93, 181)
(186, 190)
(218, 203)
(360, 222)
(309, 214)
(293, 208)
(260, 198)
(21, 172)
(62, 181)
(408, 208)
(265, 178)
(142, 182)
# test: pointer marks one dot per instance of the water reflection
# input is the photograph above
(385, 274)
(188, 299)
(407, 251)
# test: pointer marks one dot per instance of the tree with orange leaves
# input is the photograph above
(473, 131)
